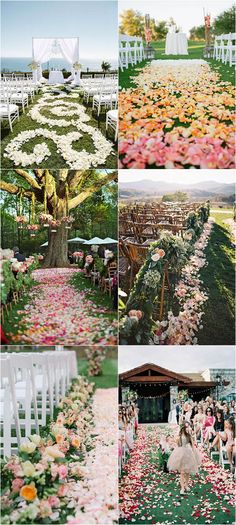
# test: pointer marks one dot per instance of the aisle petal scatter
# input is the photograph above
(180, 115)
(56, 312)
(98, 491)
(149, 495)
(54, 478)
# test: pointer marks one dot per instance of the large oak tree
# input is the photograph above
(59, 192)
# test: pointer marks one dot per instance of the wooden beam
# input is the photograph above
(150, 379)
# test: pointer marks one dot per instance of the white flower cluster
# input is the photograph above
(151, 279)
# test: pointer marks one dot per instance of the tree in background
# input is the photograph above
(178, 196)
(105, 66)
(56, 194)
(225, 22)
(197, 33)
(133, 23)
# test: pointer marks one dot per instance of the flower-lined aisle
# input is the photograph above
(99, 491)
(149, 495)
(179, 116)
(59, 120)
(186, 258)
(57, 474)
(56, 312)
(183, 328)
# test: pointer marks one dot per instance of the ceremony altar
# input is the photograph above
(43, 49)
(56, 77)
(176, 44)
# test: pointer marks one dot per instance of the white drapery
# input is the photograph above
(46, 48)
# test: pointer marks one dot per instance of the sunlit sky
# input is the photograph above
(179, 359)
(191, 177)
(186, 13)
(94, 22)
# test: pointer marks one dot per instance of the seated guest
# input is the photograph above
(17, 255)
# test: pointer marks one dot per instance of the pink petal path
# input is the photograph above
(56, 313)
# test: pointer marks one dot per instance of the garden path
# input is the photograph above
(56, 313)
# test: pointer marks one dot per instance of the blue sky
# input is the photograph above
(94, 22)
(186, 13)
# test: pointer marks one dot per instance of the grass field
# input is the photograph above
(81, 283)
(219, 281)
(55, 160)
(195, 50)
(108, 379)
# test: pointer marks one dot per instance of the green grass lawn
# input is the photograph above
(81, 283)
(158, 493)
(108, 379)
(219, 282)
(195, 50)
(55, 160)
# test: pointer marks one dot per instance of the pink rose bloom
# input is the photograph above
(17, 484)
(54, 501)
(54, 470)
(62, 471)
(62, 491)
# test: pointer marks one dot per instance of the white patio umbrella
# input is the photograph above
(77, 239)
(95, 240)
(44, 244)
(109, 240)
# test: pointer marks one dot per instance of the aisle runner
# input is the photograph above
(180, 115)
(98, 493)
(56, 313)
(151, 496)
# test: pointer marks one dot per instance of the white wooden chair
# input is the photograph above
(25, 391)
(223, 460)
(10, 438)
(216, 50)
(8, 111)
(112, 121)
(230, 54)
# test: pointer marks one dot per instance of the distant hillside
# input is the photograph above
(200, 190)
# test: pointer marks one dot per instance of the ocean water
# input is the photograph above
(11, 64)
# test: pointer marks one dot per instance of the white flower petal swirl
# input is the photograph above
(62, 108)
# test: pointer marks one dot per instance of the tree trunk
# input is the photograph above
(56, 256)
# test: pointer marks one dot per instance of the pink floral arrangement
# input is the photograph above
(45, 218)
(33, 227)
(68, 219)
(21, 219)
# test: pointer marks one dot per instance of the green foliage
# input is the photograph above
(106, 66)
(14, 284)
(178, 196)
(133, 24)
(225, 22)
(197, 33)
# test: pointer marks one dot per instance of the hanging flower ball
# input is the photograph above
(67, 219)
(21, 219)
(45, 218)
(33, 227)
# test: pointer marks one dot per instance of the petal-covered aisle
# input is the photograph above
(56, 312)
(180, 115)
(98, 494)
(152, 496)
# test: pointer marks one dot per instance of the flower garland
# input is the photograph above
(75, 159)
(95, 358)
(169, 254)
(43, 481)
(181, 329)
(179, 115)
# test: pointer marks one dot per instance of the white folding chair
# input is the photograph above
(112, 121)
(10, 438)
(25, 391)
(230, 55)
(223, 460)
(8, 111)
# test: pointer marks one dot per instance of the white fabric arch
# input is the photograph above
(46, 48)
